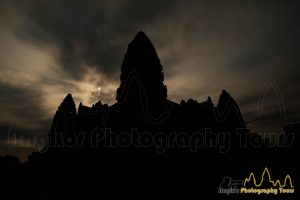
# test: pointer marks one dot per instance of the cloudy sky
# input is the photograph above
(49, 48)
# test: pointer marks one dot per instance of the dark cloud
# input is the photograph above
(87, 33)
(22, 110)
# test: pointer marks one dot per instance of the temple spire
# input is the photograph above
(141, 73)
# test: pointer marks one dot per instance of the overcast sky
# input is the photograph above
(51, 48)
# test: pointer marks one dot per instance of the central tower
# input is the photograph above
(141, 74)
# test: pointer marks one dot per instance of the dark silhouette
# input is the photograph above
(144, 145)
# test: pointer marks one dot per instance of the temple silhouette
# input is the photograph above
(142, 103)
(144, 145)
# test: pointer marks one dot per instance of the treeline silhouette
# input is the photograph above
(145, 146)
